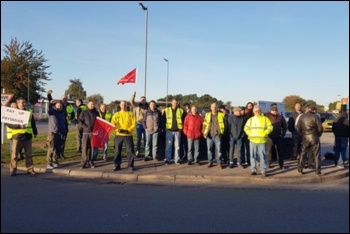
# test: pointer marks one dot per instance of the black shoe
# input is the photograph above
(293, 158)
(147, 159)
(189, 162)
(166, 162)
(116, 168)
(253, 173)
(197, 163)
(92, 165)
(282, 167)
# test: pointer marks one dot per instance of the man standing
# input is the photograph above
(152, 123)
(139, 111)
(257, 129)
(173, 117)
(79, 133)
(103, 114)
(310, 128)
(295, 135)
(125, 123)
(340, 128)
(214, 127)
(275, 139)
(56, 133)
(87, 120)
(22, 137)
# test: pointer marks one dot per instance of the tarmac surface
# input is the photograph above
(156, 171)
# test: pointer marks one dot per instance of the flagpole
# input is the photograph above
(167, 82)
(145, 9)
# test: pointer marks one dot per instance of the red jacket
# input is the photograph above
(193, 126)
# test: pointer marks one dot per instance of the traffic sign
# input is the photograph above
(6, 98)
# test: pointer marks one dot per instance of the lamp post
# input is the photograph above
(146, 10)
(28, 89)
(167, 82)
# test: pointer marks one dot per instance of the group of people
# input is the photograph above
(247, 133)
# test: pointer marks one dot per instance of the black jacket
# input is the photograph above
(340, 126)
(310, 128)
(87, 120)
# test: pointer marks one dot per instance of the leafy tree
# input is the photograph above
(23, 70)
(291, 100)
(96, 98)
(112, 107)
(206, 100)
(75, 90)
(332, 105)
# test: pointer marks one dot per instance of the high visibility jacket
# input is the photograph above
(69, 110)
(124, 120)
(108, 116)
(8, 133)
(28, 128)
(258, 128)
(207, 122)
(169, 117)
(82, 107)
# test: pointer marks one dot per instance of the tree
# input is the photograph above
(96, 98)
(23, 70)
(75, 90)
(206, 100)
(291, 100)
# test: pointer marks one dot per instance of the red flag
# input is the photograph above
(129, 78)
(101, 132)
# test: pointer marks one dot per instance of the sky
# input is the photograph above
(233, 51)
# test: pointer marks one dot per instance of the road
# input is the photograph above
(49, 203)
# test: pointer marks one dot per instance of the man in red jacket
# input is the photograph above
(193, 130)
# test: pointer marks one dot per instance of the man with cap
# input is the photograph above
(275, 139)
(310, 128)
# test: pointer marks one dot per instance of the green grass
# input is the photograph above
(39, 151)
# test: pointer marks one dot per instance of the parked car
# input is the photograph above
(327, 120)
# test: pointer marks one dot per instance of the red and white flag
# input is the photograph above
(101, 132)
(129, 78)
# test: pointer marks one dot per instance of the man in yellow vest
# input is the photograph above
(103, 114)
(9, 135)
(22, 137)
(125, 123)
(214, 126)
(173, 117)
(258, 129)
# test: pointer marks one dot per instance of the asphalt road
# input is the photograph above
(50, 203)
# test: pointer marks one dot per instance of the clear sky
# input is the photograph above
(234, 51)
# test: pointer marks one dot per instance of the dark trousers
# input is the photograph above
(79, 135)
(277, 143)
(86, 148)
(183, 146)
(245, 156)
(55, 142)
(314, 149)
(140, 131)
(118, 145)
(63, 146)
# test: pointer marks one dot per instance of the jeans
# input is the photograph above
(236, 142)
(341, 144)
(257, 154)
(193, 145)
(211, 141)
(140, 131)
(95, 153)
(151, 144)
(169, 140)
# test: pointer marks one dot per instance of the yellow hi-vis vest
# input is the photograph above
(69, 110)
(258, 128)
(82, 107)
(8, 133)
(28, 128)
(169, 117)
(207, 120)
(108, 116)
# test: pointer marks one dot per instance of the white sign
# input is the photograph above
(6, 98)
(265, 107)
(14, 116)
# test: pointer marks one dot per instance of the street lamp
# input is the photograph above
(167, 82)
(28, 88)
(146, 10)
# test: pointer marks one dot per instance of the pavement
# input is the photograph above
(156, 171)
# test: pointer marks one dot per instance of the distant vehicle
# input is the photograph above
(287, 115)
(327, 120)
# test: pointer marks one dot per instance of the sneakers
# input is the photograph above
(31, 172)
(92, 165)
(49, 166)
(253, 173)
(147, 159)
(340, 166)
(210, 165)
(189, 162)
(116, 168)
(166, 162)
(137, 154)
(178, 162)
